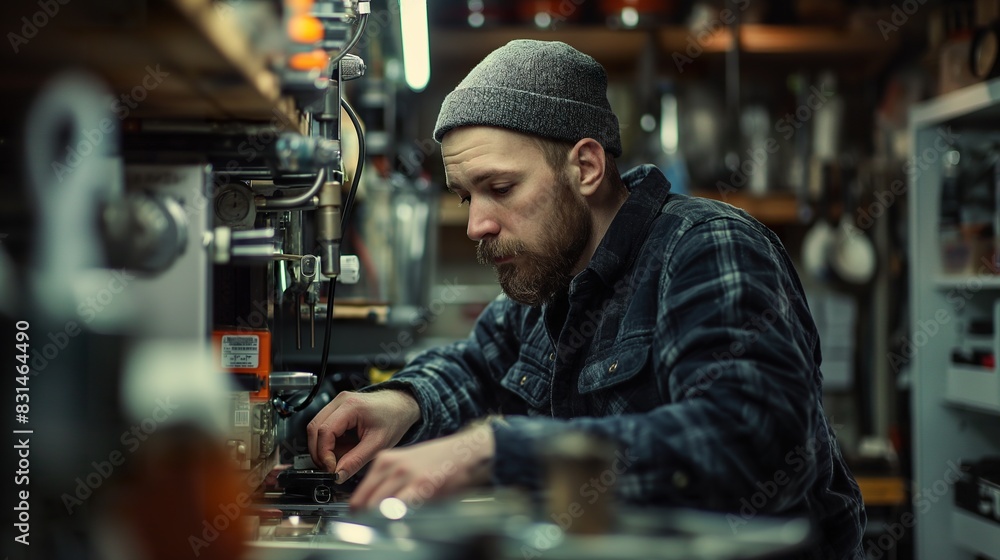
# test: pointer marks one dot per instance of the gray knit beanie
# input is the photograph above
(545, 88)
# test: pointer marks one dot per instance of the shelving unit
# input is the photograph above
(775, 209)
(204, 64)
(956, 408)
(864, 49)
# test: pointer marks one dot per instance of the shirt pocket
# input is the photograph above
(528, 380)
(615, 366)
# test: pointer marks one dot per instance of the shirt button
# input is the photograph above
(552, 357)
(680, 479)
(523, 379)
(613, 367)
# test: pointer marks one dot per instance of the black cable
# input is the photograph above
(349, 204)
(344, 222)
(330, 291)
(362, 25)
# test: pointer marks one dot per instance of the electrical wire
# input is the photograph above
(349, 204)
(362, 25)
(332, 288)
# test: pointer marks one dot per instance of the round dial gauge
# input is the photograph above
(234, 206)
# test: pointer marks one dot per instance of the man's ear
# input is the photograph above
(587, 160)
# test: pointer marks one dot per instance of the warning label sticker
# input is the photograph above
(241, 351)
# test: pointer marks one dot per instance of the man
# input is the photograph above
(674, 326)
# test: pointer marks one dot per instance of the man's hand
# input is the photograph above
(380, 419)
(429, 470)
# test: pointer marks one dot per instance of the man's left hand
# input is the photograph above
(430, 470)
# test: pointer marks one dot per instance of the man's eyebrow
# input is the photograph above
(481, 176)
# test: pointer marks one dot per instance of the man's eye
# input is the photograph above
(465, 200)
(503, 190)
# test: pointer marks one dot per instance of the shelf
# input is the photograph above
(975, 105)
(973, 387)
(975, 533)
(205, 66)
(882, 490)
(955, 408)
(773, 209)
(968, 283)
(611, 47)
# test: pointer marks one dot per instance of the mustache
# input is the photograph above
(489, 250)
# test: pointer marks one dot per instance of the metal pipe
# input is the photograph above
(293, 201)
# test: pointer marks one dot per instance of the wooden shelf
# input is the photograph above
(882, 490)
(204, 64)
(773, 209)
(465, 47)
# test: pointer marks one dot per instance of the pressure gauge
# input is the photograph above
(984, 52)
(234, 206)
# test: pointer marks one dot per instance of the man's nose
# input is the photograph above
(481, 223)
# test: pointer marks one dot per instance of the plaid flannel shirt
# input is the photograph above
(688, 341)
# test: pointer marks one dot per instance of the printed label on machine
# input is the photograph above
(240, 351)
(241, 416)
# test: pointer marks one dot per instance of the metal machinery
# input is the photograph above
(160, 228)
(174, 198)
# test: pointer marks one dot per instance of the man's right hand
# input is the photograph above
(380, 420)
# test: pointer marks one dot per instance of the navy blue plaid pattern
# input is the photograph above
(689, 342)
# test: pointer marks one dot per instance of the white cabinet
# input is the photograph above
(956, 407)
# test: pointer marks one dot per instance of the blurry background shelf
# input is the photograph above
(882, 490)
(974, 533)
(201, 59)
(775, 209)
(973, 387)
(616, 47)
(968, 283)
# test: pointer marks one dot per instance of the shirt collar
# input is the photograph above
(648, 190)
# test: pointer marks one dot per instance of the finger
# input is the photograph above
(377, 475)
(414, 494)
(328, 432)
(313, 427)
(360, 455)
(391, 486)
